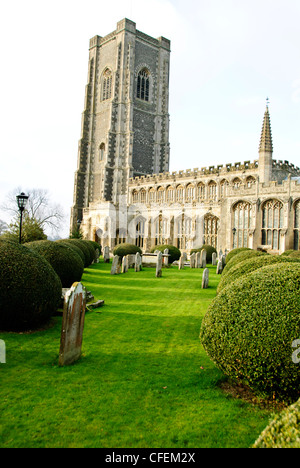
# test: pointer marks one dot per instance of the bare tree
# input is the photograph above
(3, 227)
(39, 207)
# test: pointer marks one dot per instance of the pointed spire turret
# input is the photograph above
(266, 143)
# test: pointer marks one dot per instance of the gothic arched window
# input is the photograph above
(272, 222)
(210, 230)
(297, 225)
(190, 193)
(143, 85)
(106, 85)
(242, 215)
(201, 191)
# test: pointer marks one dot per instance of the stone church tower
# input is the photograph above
(125, 122)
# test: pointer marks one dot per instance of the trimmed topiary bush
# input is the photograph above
(126, 249)
(295, 254)
(209, 251)
(240, 257)
(249, 265)
(287, 253)
(30, 289)
(234, 252)
(91, 250)
(66, 262)
(74, 248)
(174, 252)
(249, 329)
(82, 246)
(283, 431)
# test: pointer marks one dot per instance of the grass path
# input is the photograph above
(144, 379)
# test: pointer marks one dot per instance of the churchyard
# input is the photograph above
(143, 379)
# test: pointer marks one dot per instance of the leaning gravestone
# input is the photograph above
(125, 264)
(72, 325)
(214, 259)
(181, 263)
(203, 259)
(106, 256)
(138, 262)
(198, 260)
(166, 259)
(205, 278)
(219, 267)
(115, 267)
(159, 265)
(184, 255)
(223, 260)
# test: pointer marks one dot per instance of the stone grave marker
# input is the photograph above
(115, 267)
(214, 259)
(198, 260)
(219, 267)
(125, 264)
(159, 265)
(205, 278)
(106, 256)
(181, 263)
(193, 260)
(72, 325)
(166, 259)
(203, 259)
(138, 262)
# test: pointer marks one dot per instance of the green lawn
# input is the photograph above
(144, 379)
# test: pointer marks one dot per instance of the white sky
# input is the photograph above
(227, 57)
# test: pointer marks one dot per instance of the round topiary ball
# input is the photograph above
(240, 257)
(249, 329)
(126, 249)
(174, 252)
(234, 252)
(30, 289)
(82, 246)
(65, 262)
(240, 269)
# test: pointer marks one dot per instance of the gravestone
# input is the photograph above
(184, 255)
(203, 259)
(220, 254)
(214, 259)
(2, 352)
(106, 255)
(219, 267)
(138, 262)
(181, 263)
(115, 267)
(125, 264)
(205, 278)
(97, 255)
(198, 260)
(193, 260)
(166, 259)
(72, 325)
(223, 259)
(159, 265)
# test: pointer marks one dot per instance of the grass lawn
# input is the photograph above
(143, 380)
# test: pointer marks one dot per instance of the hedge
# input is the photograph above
(240, 257)
(126, 249)
(82, 246)
(249, 329)
(66, 263)
(248, 266)
(209, 251)
(283, 431)
(174, 252)
(234, 252)
(30, 289)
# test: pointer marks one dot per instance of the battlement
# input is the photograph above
(286, 166)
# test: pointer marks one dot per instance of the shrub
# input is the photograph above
(283, 431)
(295, 254)
(248, 266)
(82, 246)
(174, 252)
(30, 289)
(287, 253)
(126, 249)
(91, 250)
(234, 252)
(209, 251)
(249, 329)
(74, 248)
(240, 257)
(66, 263)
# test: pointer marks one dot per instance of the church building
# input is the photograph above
(123, 189)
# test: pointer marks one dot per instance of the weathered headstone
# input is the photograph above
(138, 262)
(181, 263)
(166, 259)
(219, 267)
(198, 260)
(184, 255)
(115, 267)
(159, 265)
(220, 253)
(72, 325)
(125, 264)
(97, 255)
(223, 259)
(106, 256)
(193, 260)
(205, 278)
(214, 259)
(203, 259)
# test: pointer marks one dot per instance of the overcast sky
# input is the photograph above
(227, 57)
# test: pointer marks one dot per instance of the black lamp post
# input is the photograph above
(22, 200)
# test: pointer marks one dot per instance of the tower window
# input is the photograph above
(101, 151)
(106, 85)
(143, 85)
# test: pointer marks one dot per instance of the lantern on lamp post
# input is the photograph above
(22, 200)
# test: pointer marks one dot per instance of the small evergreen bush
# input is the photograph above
(66, 263)
(174, 252)
(30, 289)
(249, 329)
(209, 251)
(126, 249)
